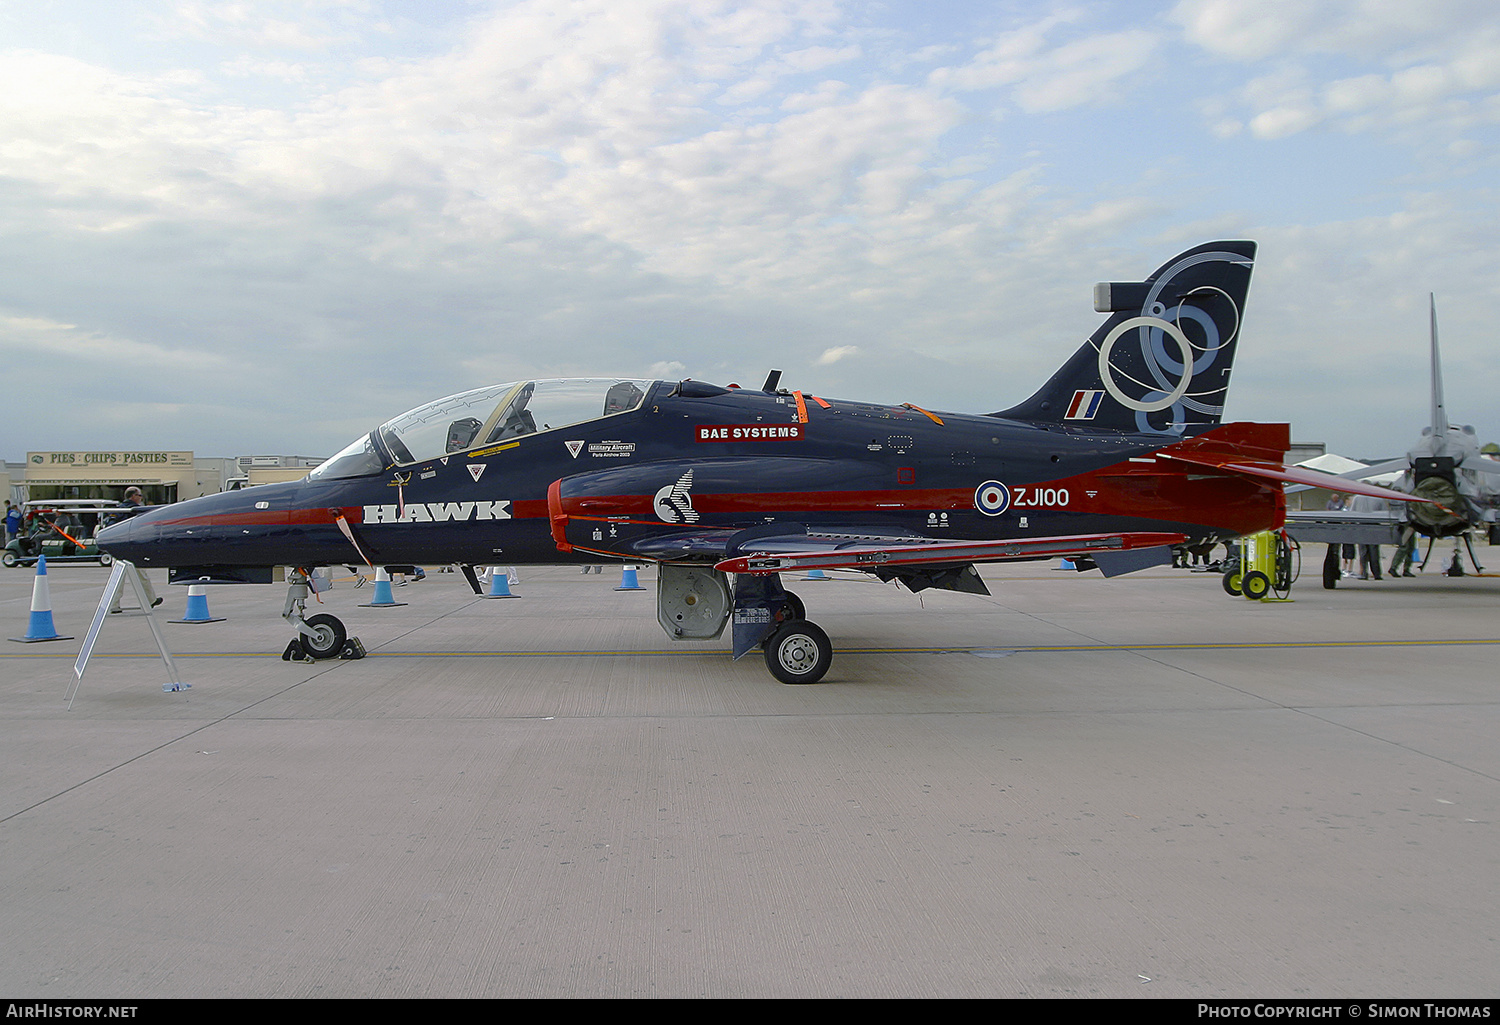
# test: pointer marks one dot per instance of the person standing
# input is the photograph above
(1369, 555)
(12, 522)
(1336, 504)
(1405, 554)
(135, 500)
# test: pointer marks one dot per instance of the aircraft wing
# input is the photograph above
(834, 551)
(1340, 526)
(1375, 470)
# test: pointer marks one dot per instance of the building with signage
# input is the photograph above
(162, 476)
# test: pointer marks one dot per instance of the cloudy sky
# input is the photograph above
(259, 227)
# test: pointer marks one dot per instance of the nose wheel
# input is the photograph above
(325, 638)
(798, 652)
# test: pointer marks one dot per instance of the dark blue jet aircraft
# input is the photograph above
(1118, 457)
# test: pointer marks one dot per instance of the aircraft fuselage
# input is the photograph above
(752, 457)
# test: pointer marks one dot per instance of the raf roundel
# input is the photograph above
(992, 498)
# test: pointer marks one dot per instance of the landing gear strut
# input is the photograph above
(318, 637)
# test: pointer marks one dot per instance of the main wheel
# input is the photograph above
(1256, 585)
(327, 638)
(106, 560)
(798, 652)
(9, 559)
(1331, 568)
(1232, 583)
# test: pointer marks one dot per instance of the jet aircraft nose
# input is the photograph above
(128, 539)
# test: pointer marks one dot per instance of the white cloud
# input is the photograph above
(1086, 71)
(304, 26)
(1284, 120)
(838, 352)
(74, 347)
(1246, 29)
(1432, 67)
(1046, 76)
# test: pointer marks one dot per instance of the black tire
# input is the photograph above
(1256, 585)
(106, 560)
(1232, 583)
(798, 652)
(9, 559)
(795, 608)
(1331, 569)
(328, 636)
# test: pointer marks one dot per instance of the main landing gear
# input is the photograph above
(768, 615)
(320, 636)
(697, 602)
(798, 651)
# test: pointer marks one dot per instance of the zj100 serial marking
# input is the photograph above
(1036, 498)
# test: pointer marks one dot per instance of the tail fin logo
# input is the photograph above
(1156, 398)
(1173, 342)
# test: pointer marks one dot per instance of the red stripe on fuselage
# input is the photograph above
(1151, 491)
(266, 517)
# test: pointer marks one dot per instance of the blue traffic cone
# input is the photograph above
(197, 607)
(40, 627)
(382, 598)
(817, 574)
(628, 580)
(500, 583)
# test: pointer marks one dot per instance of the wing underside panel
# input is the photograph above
(822, 551)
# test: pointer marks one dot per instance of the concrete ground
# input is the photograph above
(1076, 787)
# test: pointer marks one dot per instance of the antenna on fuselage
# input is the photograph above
(772, 380)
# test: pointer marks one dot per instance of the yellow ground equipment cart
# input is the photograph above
(1263, 568)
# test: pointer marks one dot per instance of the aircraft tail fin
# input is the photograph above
(1160, 364)
(1439, 414)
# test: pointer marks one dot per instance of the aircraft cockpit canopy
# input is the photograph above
(485, 416)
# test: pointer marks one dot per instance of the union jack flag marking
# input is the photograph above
(1085, 404)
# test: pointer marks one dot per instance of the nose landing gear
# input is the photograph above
(318, 637)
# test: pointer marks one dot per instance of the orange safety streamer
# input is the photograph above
(801, 407)
(65, 534)
(349, 533)
(919, 409)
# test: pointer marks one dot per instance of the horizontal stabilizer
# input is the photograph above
(1293, 475)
